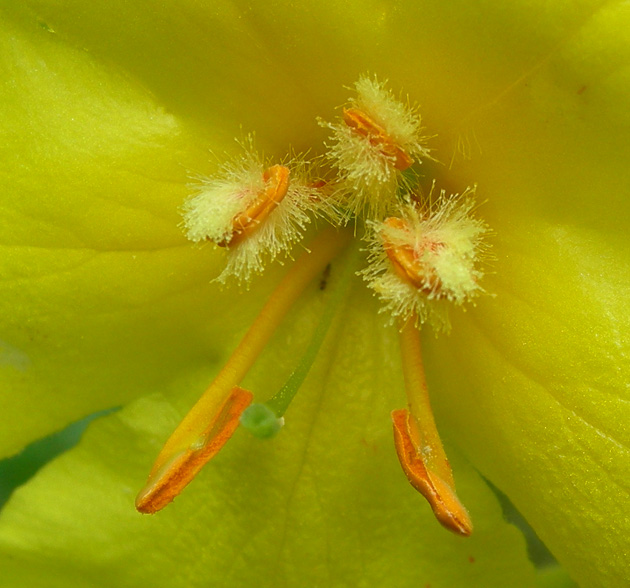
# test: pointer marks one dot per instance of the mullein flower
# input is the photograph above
(429, 255)
(105, 303)
(256, 210)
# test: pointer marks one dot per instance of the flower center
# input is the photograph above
(422, 255)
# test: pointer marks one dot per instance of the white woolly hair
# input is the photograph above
(208, 214)
(449, 244)
(401, 121)
(368, 181)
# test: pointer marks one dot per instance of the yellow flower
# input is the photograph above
(107, 110)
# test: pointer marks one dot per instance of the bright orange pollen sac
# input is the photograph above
(421, 464)
(377, 136)
(245, 223)
(417, 440)
(167, 480)
(404, 260)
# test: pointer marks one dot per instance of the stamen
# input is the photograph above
(418, 443)
(167, 481)
(203, 414)
(245, 223)
(404, 260)
(428, 257)
(257, 211)
(264, 420)
(377, 136)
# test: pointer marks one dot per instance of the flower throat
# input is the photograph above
(423, 255)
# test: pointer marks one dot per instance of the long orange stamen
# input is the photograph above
(245, 223)
(418, 443)
(377, 136)
(201, 418)
(168, 480)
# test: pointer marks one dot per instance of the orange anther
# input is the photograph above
(404, 260)
(415, 460)
(167, 480)
(377, 136)
(245, 223)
